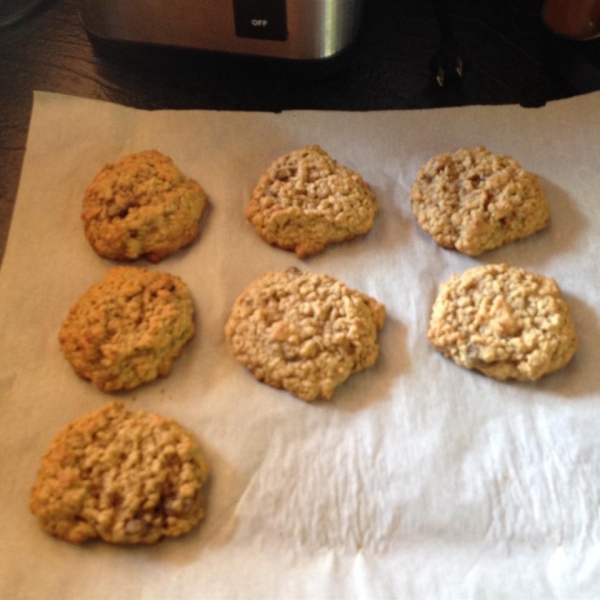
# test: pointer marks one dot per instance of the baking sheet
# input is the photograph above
(418, 479)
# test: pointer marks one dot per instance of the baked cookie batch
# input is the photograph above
(136, 477)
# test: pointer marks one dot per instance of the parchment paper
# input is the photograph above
(419, 479)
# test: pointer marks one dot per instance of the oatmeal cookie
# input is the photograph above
(305, 201)
(124, 477)
(504, 321)
(142, 206)
(303, 332)
(128, 328)
(474, 201)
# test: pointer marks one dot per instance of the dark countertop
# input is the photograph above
(510, 59)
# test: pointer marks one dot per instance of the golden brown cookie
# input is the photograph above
(473, 200)
(504, 321)
(142, 206)
(303, 332)
(124, 477)
(306, 200)
(128, 328)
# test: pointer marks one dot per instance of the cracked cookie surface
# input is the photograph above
(128, 328)
(306, 200)
(142, 206)
(303, 332)
(124, 477)
(473, 200)
(505, 322)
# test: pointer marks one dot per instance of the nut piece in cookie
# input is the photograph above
(124, 477)
(303, 332)
(305, 201)
(142, 206)
(504, 321)
(128, 328)
(473, 200)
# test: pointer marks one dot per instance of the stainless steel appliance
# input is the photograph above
(287, 29)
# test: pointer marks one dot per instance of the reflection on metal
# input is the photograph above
(316, 29)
